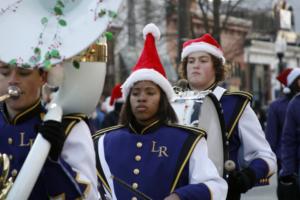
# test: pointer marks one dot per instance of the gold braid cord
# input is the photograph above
(5, 182)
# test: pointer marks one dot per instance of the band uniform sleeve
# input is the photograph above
(204, 180)
(255, 151)
(109, 189)
(289, 141)
(78, 163)
(272, 129)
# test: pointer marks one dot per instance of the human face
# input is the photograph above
(29, 81)
(200, 70)
(144, 100)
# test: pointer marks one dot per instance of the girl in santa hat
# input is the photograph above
(288, 183)
(289, 78)
(148, 156)
(203, 67)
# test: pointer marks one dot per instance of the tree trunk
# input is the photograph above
(184, 26)
(216, 13)
(131, 24)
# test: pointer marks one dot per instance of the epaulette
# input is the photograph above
(247, 95)
(104, 130)
(69, 121)
(190, 129)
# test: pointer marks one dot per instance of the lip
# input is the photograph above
(196, 74)
(141, 108)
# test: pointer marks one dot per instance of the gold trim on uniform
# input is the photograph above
(212, 86)
(104, 130)
(103, 182)
(25, 112)
(198, 131)
(185, 161)
(229, 133)
(59, 197)
(70, 126)
(144, 129)
(248, 95)
(87, 184)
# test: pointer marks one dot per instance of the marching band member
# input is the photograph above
(148, 151)
(203, 67)
(289, 187)
(276, 116)
(69, 171)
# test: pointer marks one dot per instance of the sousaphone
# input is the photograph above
(202, 110)
(42, 33)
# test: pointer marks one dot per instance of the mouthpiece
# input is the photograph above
(12, 92)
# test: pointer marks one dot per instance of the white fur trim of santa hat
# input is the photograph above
(147, 75)
(205, 47)
(292, 76)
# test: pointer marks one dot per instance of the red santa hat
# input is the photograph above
(149, 67)
(116, 95)
(287, 77)
(205, 43)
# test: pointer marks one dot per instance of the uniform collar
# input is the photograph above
(142, 130)
(30, 112)
(211, 87)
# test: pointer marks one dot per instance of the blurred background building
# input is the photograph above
(259, 38)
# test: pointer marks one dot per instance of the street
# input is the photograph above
(263, 193)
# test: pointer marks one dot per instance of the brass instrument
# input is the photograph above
(5, 182)
(201, 109)
(12, 92)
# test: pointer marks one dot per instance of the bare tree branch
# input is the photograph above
(204, 14)
(229, 10)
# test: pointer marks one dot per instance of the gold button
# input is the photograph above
(10, 157)
(139, 145)
(136, 171)
(10, 140)
(14, 172)
(137, 157)
(135, 185)
(134, 198)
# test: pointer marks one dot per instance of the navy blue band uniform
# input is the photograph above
(58, 180)
(275, 122)
(158, 160)
(247, 144)
(290, 154)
